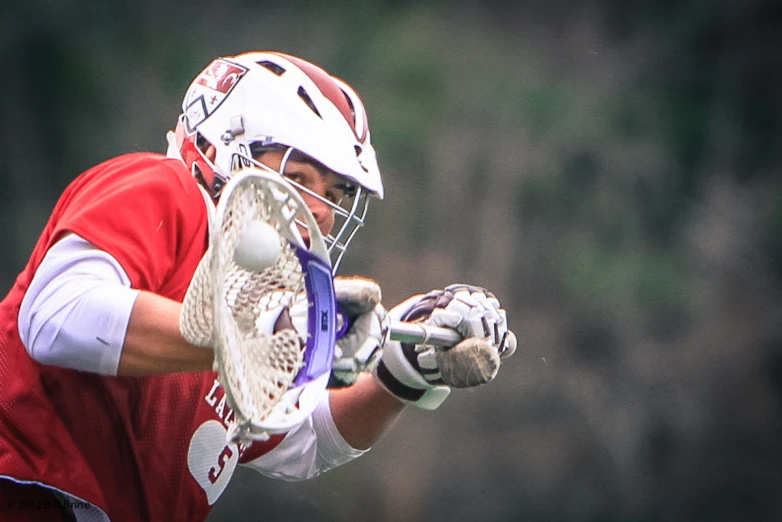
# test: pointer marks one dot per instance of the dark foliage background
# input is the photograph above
(610, 169)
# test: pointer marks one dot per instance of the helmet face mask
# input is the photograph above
(262, 100)
(348, 212)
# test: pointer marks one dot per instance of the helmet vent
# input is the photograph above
(358, 155)
(273, 67)
(350, 104)
(306, 98)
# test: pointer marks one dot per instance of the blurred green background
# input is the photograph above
(610, 169)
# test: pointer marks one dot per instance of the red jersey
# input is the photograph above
(138, 448)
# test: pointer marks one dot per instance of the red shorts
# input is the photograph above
(31, 503)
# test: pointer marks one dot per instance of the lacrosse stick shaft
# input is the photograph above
(419, 333)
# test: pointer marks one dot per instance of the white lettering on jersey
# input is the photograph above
(221, 408)
(210, 460)
(210, 397)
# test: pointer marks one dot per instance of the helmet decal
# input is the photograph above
(209, 90)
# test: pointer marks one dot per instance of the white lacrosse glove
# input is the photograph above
(424, 375)
(359, 349)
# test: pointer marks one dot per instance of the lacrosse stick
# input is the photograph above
(418, 333)
(272, 381)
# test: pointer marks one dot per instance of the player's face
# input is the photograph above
(325, 183)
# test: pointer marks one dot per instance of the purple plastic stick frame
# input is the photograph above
(322, 318)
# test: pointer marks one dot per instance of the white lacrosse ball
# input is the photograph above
(258, 247)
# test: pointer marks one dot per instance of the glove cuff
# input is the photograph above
(398, 376)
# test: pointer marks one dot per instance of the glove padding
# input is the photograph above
(424, 374)
(361, 346)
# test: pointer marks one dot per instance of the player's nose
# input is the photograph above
(323, 214)
(320, 211)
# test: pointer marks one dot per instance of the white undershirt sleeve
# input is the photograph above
(76, 311)
(312, 448)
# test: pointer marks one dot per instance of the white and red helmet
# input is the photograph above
(272, 99)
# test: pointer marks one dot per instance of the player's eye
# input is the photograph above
(303, 179)
(335, 196)
(293, 176)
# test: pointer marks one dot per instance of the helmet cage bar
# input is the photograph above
(338, 243)
(348, 220)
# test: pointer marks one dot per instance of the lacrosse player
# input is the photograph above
(106, 412)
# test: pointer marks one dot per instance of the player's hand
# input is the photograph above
(423, 374)
(361, 346)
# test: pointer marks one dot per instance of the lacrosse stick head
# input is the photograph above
(273, 373)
